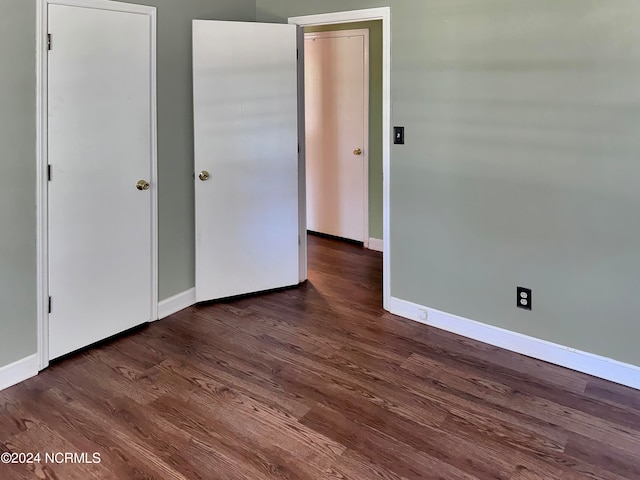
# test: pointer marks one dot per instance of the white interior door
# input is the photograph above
(99, 146)
(337, 115)
(246, 157)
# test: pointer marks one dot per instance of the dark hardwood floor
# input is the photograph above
(317, 382)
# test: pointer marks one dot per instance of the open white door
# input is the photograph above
(245, 79)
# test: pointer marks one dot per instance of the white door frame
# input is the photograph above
(384, 14)
(42, 198)
(364, 33)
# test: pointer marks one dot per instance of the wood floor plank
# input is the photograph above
(390, 453)
(246, 414)
(117, 462)
(352, 466)
(613, 393)
(237, 443)
(596, 453)
(527, 432)
(460, 351)
(121, 452)
(13, 417)
(131, 418)
(317, 382)
(203, 375)
(236, 367)
(522, 473)
(337, 332)
(574, 413)
(217, 460)
(479, 457)
(114, 373)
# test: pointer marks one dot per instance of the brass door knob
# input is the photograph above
(143, 185)
(357, 151)
(204, 176)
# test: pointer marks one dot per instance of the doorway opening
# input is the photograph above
(337, 118)
(377, 23)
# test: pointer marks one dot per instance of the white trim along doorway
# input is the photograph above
(384, 14)
(43, 43)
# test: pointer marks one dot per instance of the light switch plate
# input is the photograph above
(398, 135)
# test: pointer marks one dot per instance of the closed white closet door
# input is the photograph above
(100, 146)
(337, 115)
(246, 157)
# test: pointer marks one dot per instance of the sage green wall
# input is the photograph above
(175, 132)
(521, 164)
(17, 180)
(375, 116)
(18, 157)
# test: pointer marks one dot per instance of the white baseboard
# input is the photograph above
(19, 371)
(176, 303)
(598, 366)
(376, 244)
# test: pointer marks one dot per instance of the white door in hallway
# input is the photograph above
(100, 144)
(245, 80)
(337, 116)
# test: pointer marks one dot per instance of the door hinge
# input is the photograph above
(49, 172)
(297, 54)
(298, 149)
(50, 304)
(48, 41)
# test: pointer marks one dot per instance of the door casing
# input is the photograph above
(383, 14)
(42, 199)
